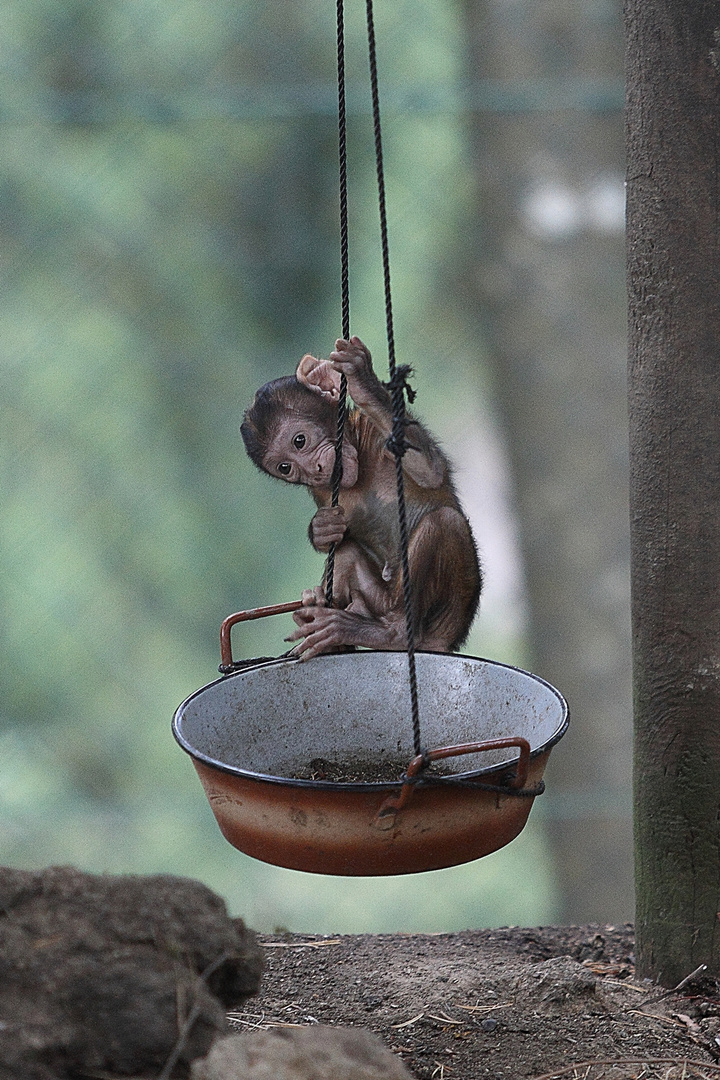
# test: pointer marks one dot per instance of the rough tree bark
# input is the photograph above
(673, 122)
(549, 273)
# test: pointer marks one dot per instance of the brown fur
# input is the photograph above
(368, 587)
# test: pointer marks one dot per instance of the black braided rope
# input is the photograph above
(398, 378)
(336, 481)
(380, 168)
(343, 184)
(344, 286)
(397, 385)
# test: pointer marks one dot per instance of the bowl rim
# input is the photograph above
(363, 785)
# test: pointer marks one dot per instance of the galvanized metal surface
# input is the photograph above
(251, 733)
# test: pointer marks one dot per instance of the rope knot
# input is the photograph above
(399, 387)
(399, 383)
(417, 778)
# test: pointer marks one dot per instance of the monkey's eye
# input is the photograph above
(299, 441)
(284, 468)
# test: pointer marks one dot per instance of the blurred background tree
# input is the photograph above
(169, 236)
(548, 273)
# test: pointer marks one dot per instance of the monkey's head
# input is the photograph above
(289, 430)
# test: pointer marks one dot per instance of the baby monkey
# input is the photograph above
(289, 432)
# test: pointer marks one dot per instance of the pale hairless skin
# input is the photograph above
(367, 578)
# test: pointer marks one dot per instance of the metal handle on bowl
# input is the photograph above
(393, 804)
(226, 656)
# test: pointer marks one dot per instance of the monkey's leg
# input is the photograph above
(446, 581)
(446, 588)
(366, 619)
(357, 585)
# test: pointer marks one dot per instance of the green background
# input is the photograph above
(168, 206)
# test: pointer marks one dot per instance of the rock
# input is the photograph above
(559, 985)
(98, 972)
(312, 1053)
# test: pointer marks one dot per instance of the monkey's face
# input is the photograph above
(302, 451)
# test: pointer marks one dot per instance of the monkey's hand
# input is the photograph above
(323, 630)
(327, 527)
(352, 359)
(314, 597)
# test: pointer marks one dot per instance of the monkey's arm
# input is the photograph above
(425, 462)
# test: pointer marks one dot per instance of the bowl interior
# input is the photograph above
(277, 719)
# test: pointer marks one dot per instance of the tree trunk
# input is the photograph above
(549, 271)
(673, 119)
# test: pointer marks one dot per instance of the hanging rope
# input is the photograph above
(344, 287)
(397, 386)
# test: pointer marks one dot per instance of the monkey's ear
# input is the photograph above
(319, 376)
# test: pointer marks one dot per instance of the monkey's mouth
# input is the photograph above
(323, 477)
(321, 481)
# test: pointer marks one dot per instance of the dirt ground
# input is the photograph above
(504, 1004)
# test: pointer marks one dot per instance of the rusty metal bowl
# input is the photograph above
(255, 738)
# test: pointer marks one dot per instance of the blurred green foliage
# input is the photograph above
(168, 227)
